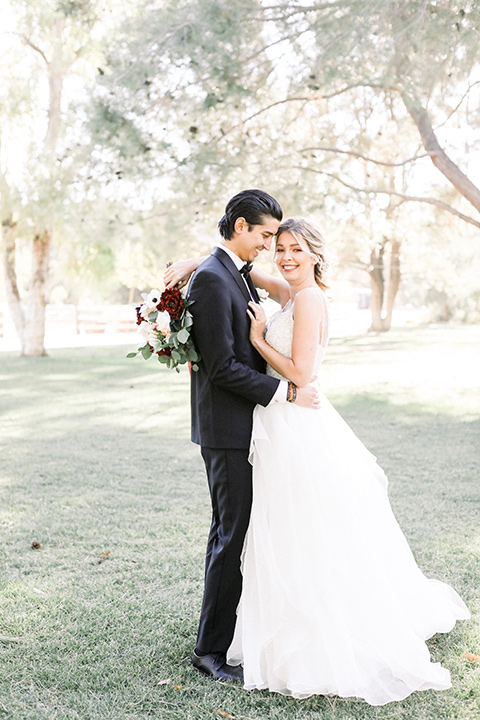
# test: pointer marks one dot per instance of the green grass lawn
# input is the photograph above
(96, 458)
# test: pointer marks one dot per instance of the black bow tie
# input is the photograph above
(245, 269)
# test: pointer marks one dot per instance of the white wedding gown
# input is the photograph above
(333, 602)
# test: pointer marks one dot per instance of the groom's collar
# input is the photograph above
(231, 261)
(239, 263)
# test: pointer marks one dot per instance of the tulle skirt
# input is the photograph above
(333, 602)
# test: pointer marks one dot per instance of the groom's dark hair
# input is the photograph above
(253, 205)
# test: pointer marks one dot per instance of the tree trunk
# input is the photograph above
(393, 282)
(56, 74)
(11, 287)
(378, 287)
(380, 322)
(34, 334)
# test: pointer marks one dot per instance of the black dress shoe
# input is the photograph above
(215, 666)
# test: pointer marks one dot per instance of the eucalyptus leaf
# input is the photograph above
(146, 352)
(183, 336)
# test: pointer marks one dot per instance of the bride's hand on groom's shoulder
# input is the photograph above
(179, 273)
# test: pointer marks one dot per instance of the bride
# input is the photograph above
(333, 602)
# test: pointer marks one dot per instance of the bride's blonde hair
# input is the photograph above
(301, 229)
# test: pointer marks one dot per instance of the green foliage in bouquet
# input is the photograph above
(165, 323)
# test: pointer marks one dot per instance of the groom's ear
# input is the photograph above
(240, 224)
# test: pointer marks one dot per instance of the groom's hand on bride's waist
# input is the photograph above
(308, 396)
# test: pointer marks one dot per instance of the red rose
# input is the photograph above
(166, 351)
(172, 302)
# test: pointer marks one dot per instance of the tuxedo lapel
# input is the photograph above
(228, 263)
(253, 289)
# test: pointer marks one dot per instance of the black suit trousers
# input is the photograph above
(230, 480)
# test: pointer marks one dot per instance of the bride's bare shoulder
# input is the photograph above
(310, 295)
(311, 304)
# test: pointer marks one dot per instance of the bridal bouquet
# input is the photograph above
(164, 322)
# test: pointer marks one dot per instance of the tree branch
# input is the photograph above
(296, 9)
(364, 157)
(477, 82)
(265, 109)
(439, 157)
(314, 96)
(284, 38)
(161, 42)
(384, 191)
(304, 8)
(28, 42)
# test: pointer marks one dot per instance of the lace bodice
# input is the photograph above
(279, 334)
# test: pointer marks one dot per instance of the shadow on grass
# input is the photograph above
(96, 416)
(97, 458)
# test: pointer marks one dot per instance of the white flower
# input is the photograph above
(262, 294)
(150, 303)
(163, 322)
(153, 297)
(147, 332)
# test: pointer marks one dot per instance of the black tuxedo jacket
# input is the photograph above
(231, 377)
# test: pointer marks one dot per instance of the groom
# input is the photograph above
(229, 382)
